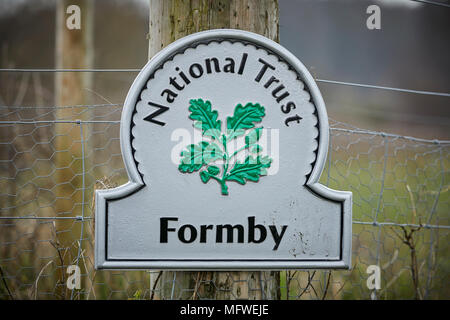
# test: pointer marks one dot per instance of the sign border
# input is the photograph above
(135, 183)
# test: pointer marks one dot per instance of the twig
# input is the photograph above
(394, 258)
(61, 259)
(288, 283)
(92, 285)
(85, 267)
(6, 284)
(327, 286)
(289, 278)
(411, 196)
(314, 289)
(154, 285)
(340, 289)
(393, 280)
(310, 278)
(37, 279)
(98, 95)
(197, 281)
(408, 239)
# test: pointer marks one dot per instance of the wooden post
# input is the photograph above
(74, 50)
(169, 21)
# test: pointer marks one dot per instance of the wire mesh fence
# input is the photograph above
(53, 158)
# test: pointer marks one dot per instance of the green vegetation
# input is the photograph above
(414, 179)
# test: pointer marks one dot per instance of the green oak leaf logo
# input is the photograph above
(205, 155)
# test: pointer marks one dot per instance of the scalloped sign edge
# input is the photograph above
(136, 182)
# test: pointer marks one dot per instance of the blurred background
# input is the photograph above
(330, 37)
(59, 142)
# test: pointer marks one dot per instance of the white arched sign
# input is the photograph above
(224, 135)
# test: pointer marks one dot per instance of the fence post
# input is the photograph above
(169, 21)
(74, 49)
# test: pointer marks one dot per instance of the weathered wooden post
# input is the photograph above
(74, 50)
(222, 199)
(169, 21)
